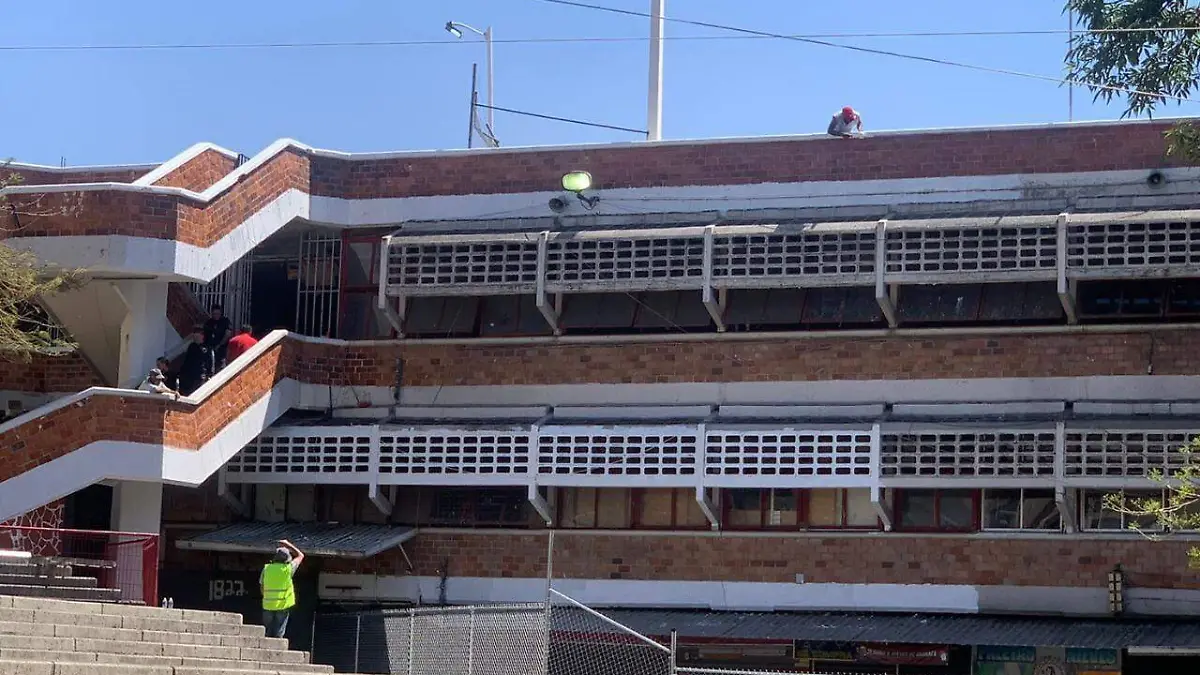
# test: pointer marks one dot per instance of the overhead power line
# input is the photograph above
(869, 50)
(560, 119)
(568, 40)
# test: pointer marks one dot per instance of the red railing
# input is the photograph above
(126, 562)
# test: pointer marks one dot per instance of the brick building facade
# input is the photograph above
(898, 374)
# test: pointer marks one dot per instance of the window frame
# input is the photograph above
(900, 496)
(560, 514)
(1082, 514)
(983, 526)
(803, 497)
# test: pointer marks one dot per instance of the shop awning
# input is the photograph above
(932, 629)
(319, 539)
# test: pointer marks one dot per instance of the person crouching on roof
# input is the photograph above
(846, 124)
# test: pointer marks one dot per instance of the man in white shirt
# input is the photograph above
(846, 124)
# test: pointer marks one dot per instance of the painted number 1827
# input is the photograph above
(219, 589)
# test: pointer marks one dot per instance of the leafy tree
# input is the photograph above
(1178, 510)
(25, 329)
(1146, 52)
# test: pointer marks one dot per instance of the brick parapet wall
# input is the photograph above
(47, 373)
(958, 153)
(200, 172)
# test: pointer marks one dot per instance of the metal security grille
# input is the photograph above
(1125, 453)
(230, 289)
(441, 453)
(1123, 244)
(999, 453)
(790, 454)
(506, 267)
(633, 263)
(818, 256)
(334, 456)
(573, 455)
(319, 280)
(1018, 251)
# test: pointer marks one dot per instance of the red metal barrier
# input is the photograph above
(126, 561)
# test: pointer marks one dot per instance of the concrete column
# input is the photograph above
(136, 507)
(144, 329)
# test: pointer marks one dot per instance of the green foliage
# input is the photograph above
(1153, 59)
(1179, 508)
(24, 328)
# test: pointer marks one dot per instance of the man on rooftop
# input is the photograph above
(847, 124)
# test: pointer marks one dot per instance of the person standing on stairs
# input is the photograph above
(278, 591)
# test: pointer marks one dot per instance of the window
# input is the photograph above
(593, 508)
(1098, 517)
(674, 509)
(937, 510)
(473, 507)
(1021, 510)
(754, 509)
(441, 317)
(511, 315)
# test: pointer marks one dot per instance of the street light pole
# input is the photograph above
(654, 105)
(456, 29)
(491, 74)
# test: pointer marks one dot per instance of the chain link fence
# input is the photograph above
(560, 637)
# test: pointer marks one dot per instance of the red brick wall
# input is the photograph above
(963, 153)
(905, 358)
(200, 172)
(34, 177)
(45, 373)
(182, 309)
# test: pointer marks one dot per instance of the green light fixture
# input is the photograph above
(577, 181)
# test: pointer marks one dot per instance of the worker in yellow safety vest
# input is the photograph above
(278, 591)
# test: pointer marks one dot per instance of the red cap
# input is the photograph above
(848, 111)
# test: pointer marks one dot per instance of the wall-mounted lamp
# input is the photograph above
(578, 182)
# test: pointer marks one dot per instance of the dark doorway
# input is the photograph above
(1160, 665)
(89, 509)
(273, 296)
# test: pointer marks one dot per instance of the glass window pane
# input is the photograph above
(362, 268)
(918, 509)
(613, 509)
(578, 508)
(825, 508)
(1096, 516)
(1135, 501)
(782, 509)
(957, 510)
(860, 512)
(1001, 509)
(745, 508)
(1039, 512)
(655, 508)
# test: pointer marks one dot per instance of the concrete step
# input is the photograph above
(43, 629)
(139, 660)
(25, 567)
(82, 594)
(39, 580)
(132, 622)
(44, 667)
(53, 605)
(86, 645)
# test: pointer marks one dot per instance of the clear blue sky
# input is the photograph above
(141, 106)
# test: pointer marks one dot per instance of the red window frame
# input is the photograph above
(901, 496)
(375, 238)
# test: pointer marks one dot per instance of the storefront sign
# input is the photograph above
(1046, 661)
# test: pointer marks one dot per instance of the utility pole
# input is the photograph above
(654, 105)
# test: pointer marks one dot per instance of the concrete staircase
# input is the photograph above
(54, 578)
(42, 636)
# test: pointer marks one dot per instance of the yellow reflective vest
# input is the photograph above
(278, 592)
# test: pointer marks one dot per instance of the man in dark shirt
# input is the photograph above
(217, 331)
(198, 363)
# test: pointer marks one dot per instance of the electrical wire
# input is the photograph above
(870, 50)
(569, 40)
